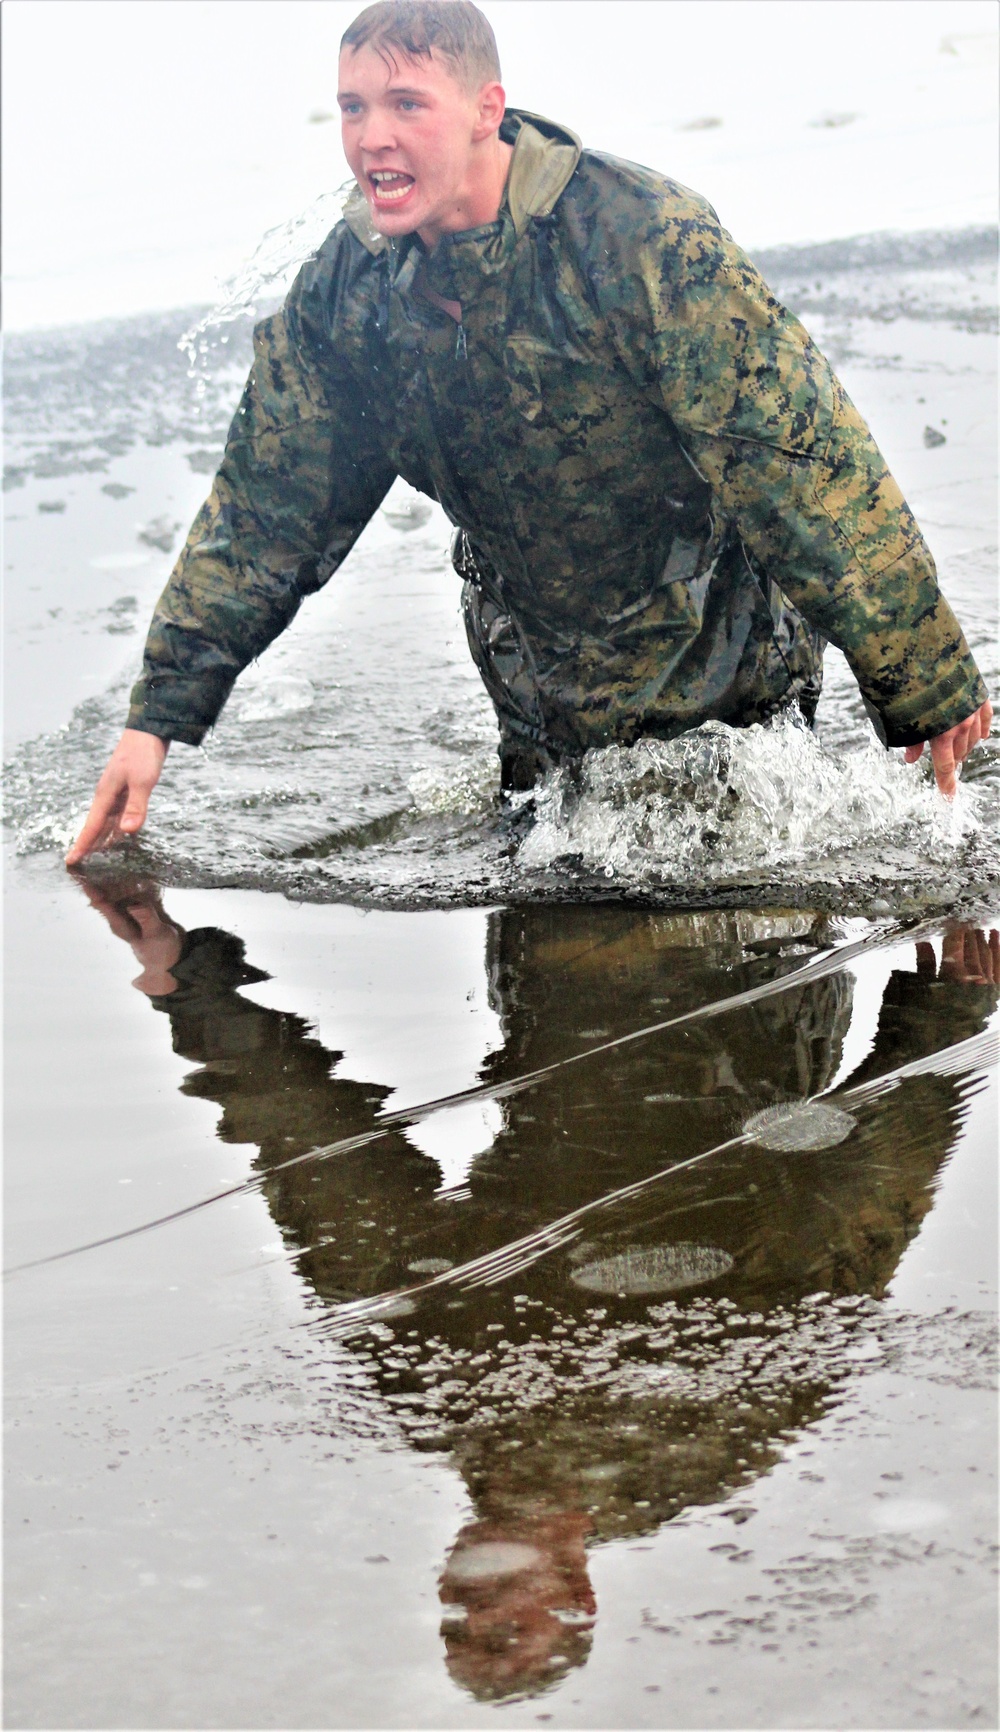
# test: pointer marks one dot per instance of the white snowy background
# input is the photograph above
(149, 143)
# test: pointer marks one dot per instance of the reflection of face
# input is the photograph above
(410, 132)
(518, 1604)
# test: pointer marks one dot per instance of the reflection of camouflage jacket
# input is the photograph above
(647, 454)
(839, 1219)
(532, 1427)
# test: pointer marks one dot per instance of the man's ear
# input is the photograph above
(491, 103)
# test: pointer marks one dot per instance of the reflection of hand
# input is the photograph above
(949, 748)
(967, 955)
(137, 915)
(122, 794)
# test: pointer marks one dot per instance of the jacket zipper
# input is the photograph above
(461, 353)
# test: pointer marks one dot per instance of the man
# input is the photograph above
(665, 502)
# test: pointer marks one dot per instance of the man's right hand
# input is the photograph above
(122, 794)
(949, 748)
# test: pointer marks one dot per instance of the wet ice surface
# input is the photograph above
(357, 759)
(719, 1452)
(725, 1458)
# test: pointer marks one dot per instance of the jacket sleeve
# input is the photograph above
(302, 474)
(791, 463)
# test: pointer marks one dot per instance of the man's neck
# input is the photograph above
(481, 203)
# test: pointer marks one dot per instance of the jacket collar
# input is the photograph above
(544, 160)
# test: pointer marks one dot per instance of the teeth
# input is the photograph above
(388, 184)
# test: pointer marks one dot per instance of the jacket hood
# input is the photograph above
(544, 160)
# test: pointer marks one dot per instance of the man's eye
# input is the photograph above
(407, 106)
(350, 108)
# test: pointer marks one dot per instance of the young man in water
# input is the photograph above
(665, 502)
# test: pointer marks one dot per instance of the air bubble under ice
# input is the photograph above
(654, 1269)
(798, 1126)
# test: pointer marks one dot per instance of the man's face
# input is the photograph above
(410, 136)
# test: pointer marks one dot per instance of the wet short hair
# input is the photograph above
(455, 29)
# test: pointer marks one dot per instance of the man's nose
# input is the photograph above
(377, 133)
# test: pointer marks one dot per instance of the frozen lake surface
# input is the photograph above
(710, 1438)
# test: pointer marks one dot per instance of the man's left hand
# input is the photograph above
(948, 749)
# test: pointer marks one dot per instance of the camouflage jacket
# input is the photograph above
(666, 496)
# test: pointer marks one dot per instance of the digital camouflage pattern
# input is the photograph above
(666, 501)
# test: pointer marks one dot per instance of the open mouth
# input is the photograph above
(389, 185)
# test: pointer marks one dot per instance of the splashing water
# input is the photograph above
(715, 809)
(469, 789)
(269, 269)
(720, 799)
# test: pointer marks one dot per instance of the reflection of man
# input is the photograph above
(577, 1416)
(665, 501)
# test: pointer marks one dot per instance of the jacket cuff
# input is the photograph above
(165, 730)
(909, 721)
(176, 707)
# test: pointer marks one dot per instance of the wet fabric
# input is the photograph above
(666, 500)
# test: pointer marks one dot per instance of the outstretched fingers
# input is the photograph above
(970, 955)
(121, 799)
(136, 807)
(946, 758)
(950, 748)
(100, 826)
